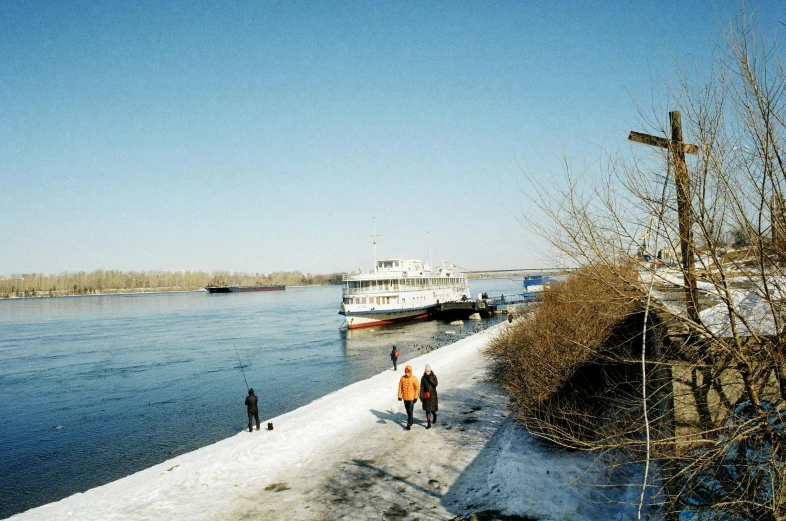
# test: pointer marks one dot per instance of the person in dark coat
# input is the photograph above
(253, 408)
(394, 356)
(428, 395)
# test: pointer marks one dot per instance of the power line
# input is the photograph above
(520, 270)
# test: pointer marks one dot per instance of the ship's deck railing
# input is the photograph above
(402, 275)
(401, 289)
(374, 276)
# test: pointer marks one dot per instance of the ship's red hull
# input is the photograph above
(364, 322)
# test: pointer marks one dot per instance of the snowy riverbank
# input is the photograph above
(347, 455)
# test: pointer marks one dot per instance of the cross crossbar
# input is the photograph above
(678, 149)
(661, 142)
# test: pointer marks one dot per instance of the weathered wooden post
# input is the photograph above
(684, 207)
(663, 376)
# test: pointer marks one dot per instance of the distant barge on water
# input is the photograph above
(243, 289)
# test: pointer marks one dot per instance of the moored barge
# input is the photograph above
(243, 289)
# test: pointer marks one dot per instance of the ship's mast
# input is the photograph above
(430, 261)
(374, 238)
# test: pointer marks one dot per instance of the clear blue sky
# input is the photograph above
(263, 136)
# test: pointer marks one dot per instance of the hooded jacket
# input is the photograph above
(408, 386)
(429, 383)
(251, 402)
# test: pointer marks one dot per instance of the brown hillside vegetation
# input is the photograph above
(577, 323)
(711, 388)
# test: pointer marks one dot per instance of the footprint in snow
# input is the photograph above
(277, 487)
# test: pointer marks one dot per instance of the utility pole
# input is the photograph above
(684, 210)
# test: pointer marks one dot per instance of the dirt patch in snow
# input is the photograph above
(277, 487)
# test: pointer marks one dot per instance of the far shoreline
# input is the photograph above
(139, 291)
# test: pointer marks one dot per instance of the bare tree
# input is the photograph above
(709, 405)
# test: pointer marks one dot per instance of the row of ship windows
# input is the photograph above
(378, 300)
(371, 300)
(379, 289)
(434, 281)
(404, 284)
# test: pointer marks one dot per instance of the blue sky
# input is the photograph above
(264, 136)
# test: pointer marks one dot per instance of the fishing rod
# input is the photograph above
(241, 366)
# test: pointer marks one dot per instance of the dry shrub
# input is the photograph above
(562, 364)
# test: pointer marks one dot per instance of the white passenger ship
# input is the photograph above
(397, 290)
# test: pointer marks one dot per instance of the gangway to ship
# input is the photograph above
(520, 298)
(485, 306)
(502, 303)
(461, 309)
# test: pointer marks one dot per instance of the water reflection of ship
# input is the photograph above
(412, 339)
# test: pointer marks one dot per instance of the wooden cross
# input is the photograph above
(684, 210)
(656, 141)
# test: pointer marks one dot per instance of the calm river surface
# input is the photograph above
(96, 388)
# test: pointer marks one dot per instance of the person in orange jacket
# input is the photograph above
(408, 388)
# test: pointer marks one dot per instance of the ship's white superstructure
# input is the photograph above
(399, 289)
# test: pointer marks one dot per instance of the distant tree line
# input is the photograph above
(115, 281)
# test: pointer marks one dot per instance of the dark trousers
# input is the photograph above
(410, 407)
(394, 364)
(254, 415)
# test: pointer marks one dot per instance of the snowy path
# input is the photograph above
(347, 455)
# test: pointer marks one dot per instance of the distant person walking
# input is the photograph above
(428, 396)
(408, 392)
(253, 408)
(394, 357)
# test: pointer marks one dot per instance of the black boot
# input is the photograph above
(257, 425)
(249, 428)
(434, 421)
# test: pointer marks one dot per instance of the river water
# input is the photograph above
(96, 388)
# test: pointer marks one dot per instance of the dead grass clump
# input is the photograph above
(558, 363)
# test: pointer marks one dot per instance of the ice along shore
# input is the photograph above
(347, 455)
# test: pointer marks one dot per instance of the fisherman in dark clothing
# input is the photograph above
(253, 409)
(394, 356)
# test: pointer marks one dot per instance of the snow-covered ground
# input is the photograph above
(347, 455)
(674, 277)
(749, 305)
